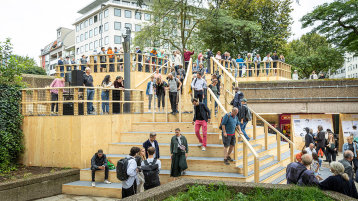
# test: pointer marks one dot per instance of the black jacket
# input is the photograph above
(243, 110)
(321, 140)
(339, 184)
(96, 161)
(147, 144)
(308, 139)
(236, 102)
(204, 111)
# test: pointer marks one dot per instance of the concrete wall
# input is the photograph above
(38, 187)
(302, 96)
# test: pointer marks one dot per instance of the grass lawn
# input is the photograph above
(222, 192)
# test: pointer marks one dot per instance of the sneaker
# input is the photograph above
(230, 159)
(248, 139)
(93, 184)
(203, 148)
(226, 162)
(183, 173)
(107, 182)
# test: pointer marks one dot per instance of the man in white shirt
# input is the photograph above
(311, 149)
(151, 167)
(295, 75)
(267, 60)
(198, 85)
(129, 186)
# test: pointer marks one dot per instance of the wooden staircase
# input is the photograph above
(201, 164)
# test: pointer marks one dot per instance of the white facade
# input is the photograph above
(109, 17)
(349, 69)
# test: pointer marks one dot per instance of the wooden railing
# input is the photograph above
(77, 100)
(146, 80)
(115, 63)
(255, 69)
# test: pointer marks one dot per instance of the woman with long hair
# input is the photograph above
(106, 83)
(118, 84)
(160, 92)
(331, 148)
(339, 182)
(141, 157)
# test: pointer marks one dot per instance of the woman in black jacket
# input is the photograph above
(321, 140)
(331, 148)
(308, 137)
(160, 92)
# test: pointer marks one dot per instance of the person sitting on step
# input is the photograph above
(99, 162)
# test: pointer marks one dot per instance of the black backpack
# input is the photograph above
(221, 125)
(151, 174)
(122, 166)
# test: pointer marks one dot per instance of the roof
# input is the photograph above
(91, 6)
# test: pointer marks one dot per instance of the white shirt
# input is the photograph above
(309, 151)
(177, 60)
(132, 173)
(179, 141)
(313, 77)
(151, 160)
(200, 84)
(151, 88)
(295, 76)
(267, 59)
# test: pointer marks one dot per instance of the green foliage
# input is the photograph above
(223, 193)
(29, 66)
(10, 116)
(312, 52)
(338, 21)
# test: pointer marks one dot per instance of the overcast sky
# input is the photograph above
(32, 24)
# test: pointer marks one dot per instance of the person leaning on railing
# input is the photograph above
(57, 82)
(106, 83)
(267, 60)
(118, 84)
(111, 59)
(88, 82)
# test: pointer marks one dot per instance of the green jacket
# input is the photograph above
(174, 144)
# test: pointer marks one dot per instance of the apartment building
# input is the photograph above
(63, 46)
(103, 22)
(349, 69)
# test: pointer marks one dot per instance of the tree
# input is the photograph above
(10, 68)
(313, 52)
(172, 23)
(29, 66)
(338, 21)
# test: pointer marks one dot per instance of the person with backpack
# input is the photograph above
(229, 124)
(151, 168)
(179, 152)
(299, 172)
(99, 162)
(198, 85)
(236, 102)
(201, 119)
(127, 170)
(244, 117)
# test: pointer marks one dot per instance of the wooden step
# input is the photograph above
(113, 190)
(212, 150)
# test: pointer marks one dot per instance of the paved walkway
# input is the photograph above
(64, 197)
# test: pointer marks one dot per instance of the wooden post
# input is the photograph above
(142, 97)
(107, 63)
(85, 103)
(122, 99)
(266, 136)
(48, 104)
(153, 108)
(23, 101)
(60, 103)
(98, 99)
(110, 101)
(257, 170)
(236, 149)
(244, 156)
(278, 139)
(75, 104)
(35, 99)
(292, 152)
(166, 106)
(254, 119)
(179, 105)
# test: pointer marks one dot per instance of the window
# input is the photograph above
(138, 15)
(82, 37)
(90, 33)
(86, 47)
(138, 27)
(96, 44)
(100, 16)
(91, 46)
(106, 26)
(117, 39)
(91, 21)
(77, 39)
(78, 50)
(95, 18)
(128, 25)
(126, 3)
(96, 31)
(77, 28)
(86, 35)
(106, 40)
(86, 23)
(146, 16)
(117, 12)
(81, 49)
(117, 26)
(100, 29)
(105, 13)
(128, 14)
(81, 26)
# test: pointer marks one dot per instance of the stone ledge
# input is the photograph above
(172, 188)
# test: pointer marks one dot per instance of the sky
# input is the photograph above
(32, 24)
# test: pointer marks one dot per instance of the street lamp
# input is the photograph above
(102, 16)
(127, 67)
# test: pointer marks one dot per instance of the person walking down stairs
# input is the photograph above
(179, 152)
(201, 119)
(99, 162)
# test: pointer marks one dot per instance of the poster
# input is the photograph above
(347, 127)
(301, 124)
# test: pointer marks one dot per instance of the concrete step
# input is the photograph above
(113, 190)
(212, 150)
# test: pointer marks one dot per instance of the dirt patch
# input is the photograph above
(23, 172)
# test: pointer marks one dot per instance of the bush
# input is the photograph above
(10, 127)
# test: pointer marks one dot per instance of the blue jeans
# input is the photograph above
(105, 105)
(243, 127)
(90, 94)
(267, 68)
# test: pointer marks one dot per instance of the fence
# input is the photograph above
(81, 101)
